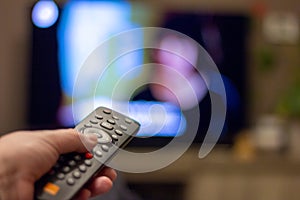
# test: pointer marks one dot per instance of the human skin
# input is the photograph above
(25, 156)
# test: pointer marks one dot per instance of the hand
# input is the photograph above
(25, 156)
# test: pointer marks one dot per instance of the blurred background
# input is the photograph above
(255, 45)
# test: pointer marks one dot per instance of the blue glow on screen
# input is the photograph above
(83, 26)
(160, 119)
(44, 14)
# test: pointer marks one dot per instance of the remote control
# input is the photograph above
(73, 170)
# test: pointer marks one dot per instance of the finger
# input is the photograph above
(25, 189)
(84, 194)
(109, 172)
(69, 140)
(100, 185)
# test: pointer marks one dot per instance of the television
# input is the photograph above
(59, 52)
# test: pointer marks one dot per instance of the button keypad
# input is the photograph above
(72, 168)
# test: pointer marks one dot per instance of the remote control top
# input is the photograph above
(72, 171)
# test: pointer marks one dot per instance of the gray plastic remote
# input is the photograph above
(72, 171)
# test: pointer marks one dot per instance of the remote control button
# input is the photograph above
(124, 128)
(88, 155)
(88, 125)
(118, 132)
(107, 111)
(111, 121)
(99, 116)
(77, 158)
(60, 176)
(94, 121)
(98, 153)
(51, 188)
(115, 137)
(88, 163)
(128, 121)
(82, 168)
(70, 181)
(115, 117)
(105, 148)
(66, 169)
(76, 174)
(71, 163)
(107, 125)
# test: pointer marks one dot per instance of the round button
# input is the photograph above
(72, 163)
(93, 121)
(88, 162)
(76, 174)
(115, 137)
(107, 111)
(60, 176)
(77, 157)
(115, 117)
(66, 169)
(124, 128)
(70, 181)
(82, 168)
(118, 132)
(98, 116)
(98, 153)
(88, 125)
(128, 121)
(105, 148)
(111, 121)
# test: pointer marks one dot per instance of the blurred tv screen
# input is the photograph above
(60, 51)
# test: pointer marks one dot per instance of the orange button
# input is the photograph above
(51, 188)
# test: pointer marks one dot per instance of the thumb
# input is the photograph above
(70, 140)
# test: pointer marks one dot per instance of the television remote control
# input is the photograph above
(73, 170)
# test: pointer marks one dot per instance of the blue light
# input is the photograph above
(44, 14)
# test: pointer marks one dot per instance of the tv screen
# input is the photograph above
(62, 93)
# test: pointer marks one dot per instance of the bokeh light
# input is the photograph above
(44, 14)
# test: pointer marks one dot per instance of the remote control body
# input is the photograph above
(72, 171)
